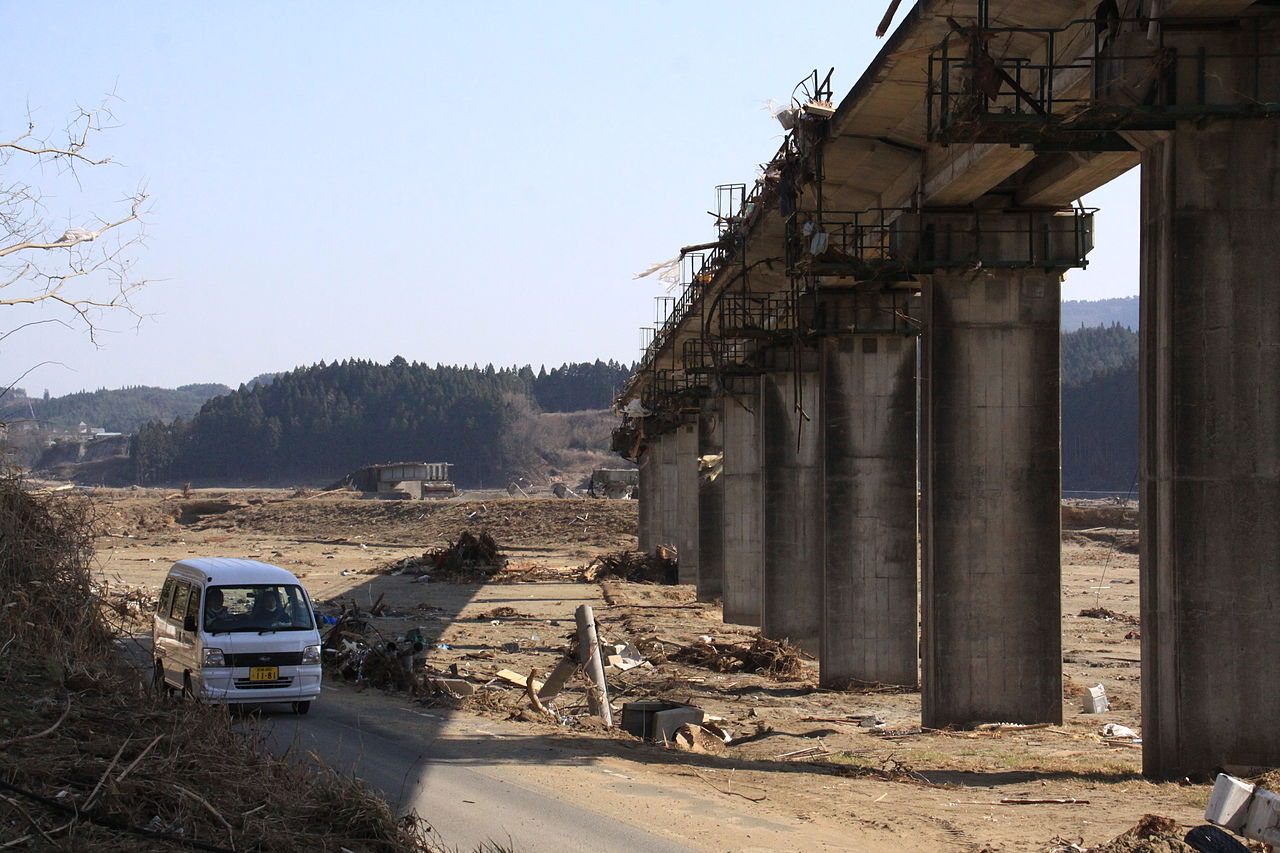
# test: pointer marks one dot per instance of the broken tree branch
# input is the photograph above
(12, 741)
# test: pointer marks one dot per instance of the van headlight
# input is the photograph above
(311, 654)
(213, 657)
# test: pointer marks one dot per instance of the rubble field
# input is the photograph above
(825, 763)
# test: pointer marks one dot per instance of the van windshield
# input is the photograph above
(259, 607)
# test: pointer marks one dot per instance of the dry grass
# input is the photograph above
(91, 759)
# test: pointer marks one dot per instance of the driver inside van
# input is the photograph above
(267, 610)
(214, 609)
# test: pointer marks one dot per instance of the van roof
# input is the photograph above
(232, 570)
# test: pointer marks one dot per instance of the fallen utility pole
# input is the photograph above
(589, 654)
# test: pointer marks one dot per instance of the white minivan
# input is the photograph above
(236, 631)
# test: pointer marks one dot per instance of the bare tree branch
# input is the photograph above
(73, 271)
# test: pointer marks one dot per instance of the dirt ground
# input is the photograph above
(900, 787)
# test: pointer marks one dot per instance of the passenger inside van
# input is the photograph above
(214, 610)
(267, 611)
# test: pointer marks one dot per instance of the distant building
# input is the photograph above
(405, 480)
(614, 483)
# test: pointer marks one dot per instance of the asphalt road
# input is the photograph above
(459, 774)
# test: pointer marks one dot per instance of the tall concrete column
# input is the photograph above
(685, 467)
(664, 497)
(1210, 501)
(644, 525)
(791, 426)
(991, 518)
(869, 582)
(743, 481)
(710, 510)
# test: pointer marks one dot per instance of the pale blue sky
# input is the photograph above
(452, 183)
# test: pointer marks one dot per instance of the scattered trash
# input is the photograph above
(1117, 732)
(1095, 700)
(871, 721)
(625, 657)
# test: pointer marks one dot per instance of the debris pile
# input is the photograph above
(132, 604)
(775, 658)
(632, 566)
(1152, 834)
(471, 559)
(1109, 615)
(503, 612)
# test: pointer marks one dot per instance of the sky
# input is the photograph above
(454, 183)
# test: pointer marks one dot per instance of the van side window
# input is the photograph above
(193, 606)
(166, 596)
(179, 604)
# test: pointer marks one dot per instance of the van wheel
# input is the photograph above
(301, 708)
(157, 680)
(188, 692)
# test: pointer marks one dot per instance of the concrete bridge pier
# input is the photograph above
(1210, 500)
(869, 436)
(990, 517)
(791, 429)
(665, 504)
(646, 487)
(710, 509)
(743, 508)
(684, 489)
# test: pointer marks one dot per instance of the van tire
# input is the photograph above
(157, 679)
(301, 708)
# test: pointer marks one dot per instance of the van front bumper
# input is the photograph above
(232, 684)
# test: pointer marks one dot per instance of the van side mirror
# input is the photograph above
(189, 624)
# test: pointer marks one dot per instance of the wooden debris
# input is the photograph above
(808, 752)
(512, 677)
(532, 693)
(774, 658)
(631, 566)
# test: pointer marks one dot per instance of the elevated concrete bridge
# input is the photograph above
(868, 357)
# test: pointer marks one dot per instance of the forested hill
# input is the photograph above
(117, 410)
(1078, 314)
(316, 423)
(1100, 409)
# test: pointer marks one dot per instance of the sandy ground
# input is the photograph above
(892, 788)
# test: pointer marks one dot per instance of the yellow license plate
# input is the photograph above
(264, 673)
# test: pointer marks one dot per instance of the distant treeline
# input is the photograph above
(1100, 312)
(1100, 409)
(317, 423)
(117, 410)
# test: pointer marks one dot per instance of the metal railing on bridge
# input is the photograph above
(1074, 87)
(891, 245)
